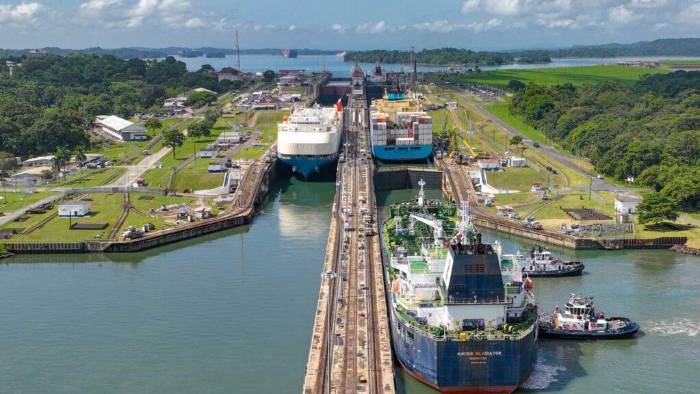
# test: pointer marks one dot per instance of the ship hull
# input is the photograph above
(306, 166)
(402, 152)
(464, 366)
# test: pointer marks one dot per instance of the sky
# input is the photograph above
(343, 24)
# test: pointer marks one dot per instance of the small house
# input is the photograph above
(41, 161)
(30, 177)
(516, 161)
(216, 168)
(626, 203)
(74, 208)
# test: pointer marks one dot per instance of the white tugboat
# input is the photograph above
(579, 320)
(540, 262)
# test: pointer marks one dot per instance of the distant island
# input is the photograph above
(450, 57)
(660, 47)
(465, 57)
(159, 53)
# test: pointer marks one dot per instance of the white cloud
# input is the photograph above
(622, 15)
(369, 28)
(469, 6)
(292, 27)
(444, 26)
(194, 23)
(338, 28)
(170, 12)
(20, 14)
(98, 6)
(649, 3)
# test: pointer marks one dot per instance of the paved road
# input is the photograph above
(597, 185)
(137, 170)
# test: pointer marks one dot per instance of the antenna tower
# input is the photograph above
(238, 52)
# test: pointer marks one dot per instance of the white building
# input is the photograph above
(74, 208)
(516, 161)
(120, 129)
(489, 164)
(41, 161)
(289, 81)
(626, 204)
(30, 177)
(175, 102)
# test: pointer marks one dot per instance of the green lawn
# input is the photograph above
(91, 177)
(514, 178)
(158, 177)
(561, 75)
(670, 230)
(10, 202)
(267, 122)
(250, 153)
(502, 112)
(195, 176)
(602, 202)
(143, 207)
(106, 208)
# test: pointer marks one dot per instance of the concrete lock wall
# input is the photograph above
(406, 178)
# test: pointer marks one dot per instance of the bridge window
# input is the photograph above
(474, 268)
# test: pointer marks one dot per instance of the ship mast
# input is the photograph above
(238, 52)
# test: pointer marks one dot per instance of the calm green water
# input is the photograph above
(232, 313)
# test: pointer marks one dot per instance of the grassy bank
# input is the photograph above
(560, 75)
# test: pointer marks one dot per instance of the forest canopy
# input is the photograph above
(649, 130)
(50, 100)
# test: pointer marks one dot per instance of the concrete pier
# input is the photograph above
(350, 349)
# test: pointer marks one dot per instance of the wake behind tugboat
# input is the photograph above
(579, 320)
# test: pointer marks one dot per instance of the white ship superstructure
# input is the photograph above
(310, 138)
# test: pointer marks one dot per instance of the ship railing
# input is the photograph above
(493, 334)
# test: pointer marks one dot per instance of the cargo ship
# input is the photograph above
(309, 139)
(290, 53)
(399, 130)
(463, 319)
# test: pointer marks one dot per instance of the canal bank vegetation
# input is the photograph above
(577, 76)
(449, 57)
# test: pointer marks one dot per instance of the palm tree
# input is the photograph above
(80, 157)
(61, 158)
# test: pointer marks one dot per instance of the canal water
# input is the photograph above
(340, 68)
(232, 313)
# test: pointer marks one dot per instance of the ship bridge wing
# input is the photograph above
(475, 276)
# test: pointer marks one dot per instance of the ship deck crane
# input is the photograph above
(436, 224)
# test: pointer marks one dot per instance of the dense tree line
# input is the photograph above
(51, 100)
(660, 47)
(650, 130)
(449, 56)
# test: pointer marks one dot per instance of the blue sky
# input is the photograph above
(343, 24)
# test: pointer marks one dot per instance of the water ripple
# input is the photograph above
(542, 376)
(678, 327)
